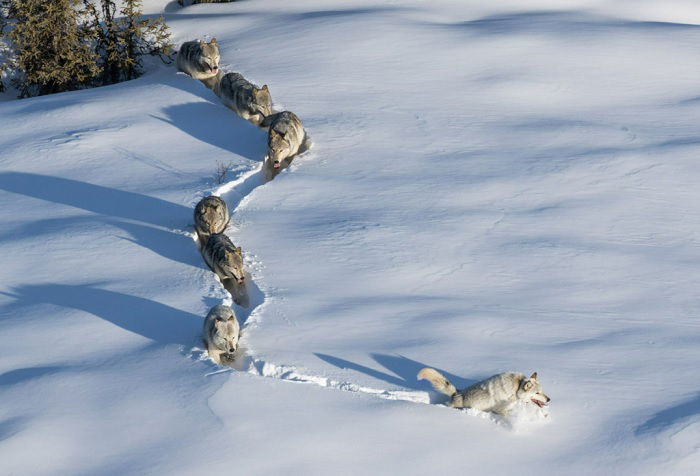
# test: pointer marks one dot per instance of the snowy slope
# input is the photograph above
(491, 188)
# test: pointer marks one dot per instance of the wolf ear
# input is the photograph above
(533, 376)
(201, 42)
(213, 41)
(264, 88)
(238, 250)
(527, 386)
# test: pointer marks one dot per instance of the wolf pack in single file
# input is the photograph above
(287, 138)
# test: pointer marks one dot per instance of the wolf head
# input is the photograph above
(262, 100)
(278, 148)
(211, 214)
(209, 61)
(226, 331)
(530, 390)
(234, 263)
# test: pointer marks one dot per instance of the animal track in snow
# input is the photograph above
(236, 193)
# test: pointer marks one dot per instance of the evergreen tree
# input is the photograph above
(51, 51)
(121, 42)
(5, 51)
(58, 45)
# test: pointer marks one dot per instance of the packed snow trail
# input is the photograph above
(497, 186)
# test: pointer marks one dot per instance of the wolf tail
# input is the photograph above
(438, 381)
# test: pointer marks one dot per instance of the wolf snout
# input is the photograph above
(276, 164)
(240, 280)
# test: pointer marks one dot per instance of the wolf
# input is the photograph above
(221, 333)
(212, 82)
(210, 216)
(225, 259)
(199, 59)
(285, 136)
(497, 394)
(244, 98)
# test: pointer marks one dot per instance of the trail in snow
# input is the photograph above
(236, 193)
(252, 299)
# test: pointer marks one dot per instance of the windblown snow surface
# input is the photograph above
(493, 186)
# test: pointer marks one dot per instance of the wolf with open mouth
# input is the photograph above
(199, 59)
(497, 394)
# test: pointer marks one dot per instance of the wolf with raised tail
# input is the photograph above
(199, 59)
(497, 394)
(221, 333)
(285, 137)
(210, 216)
(244, 98)
(224, 258)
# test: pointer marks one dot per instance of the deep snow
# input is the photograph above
(491, 187)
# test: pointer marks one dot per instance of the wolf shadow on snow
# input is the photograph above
(403, 372)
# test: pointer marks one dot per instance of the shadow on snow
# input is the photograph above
(150, 319)
(403, 371)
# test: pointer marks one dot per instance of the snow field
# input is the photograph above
(492, 187)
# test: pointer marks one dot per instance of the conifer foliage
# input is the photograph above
(60, 45)
(50, 53)
(4, 49)
(122, 40)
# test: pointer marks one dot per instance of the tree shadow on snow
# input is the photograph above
(95, 198)
(670, 416)
(150, 319)
(403, 372)
(11, 426)
(16, 376)
(174, 246)
(556, 22)
(110, 205)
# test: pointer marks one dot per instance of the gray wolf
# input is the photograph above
(210, 216)
(213, 81)
(221, 333)
(244, 98)
(497, 394)
(285, 136)
(225, 259)
(199, 59)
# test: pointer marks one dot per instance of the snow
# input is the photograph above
(492, 186)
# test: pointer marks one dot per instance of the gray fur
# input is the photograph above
(199, 59)
(286, 135)
(213, 82)
(497, 394)
(225, 259)
(210, 216)
(244, 98)
(221, 333)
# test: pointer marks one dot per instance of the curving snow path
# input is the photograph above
(491, 188)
